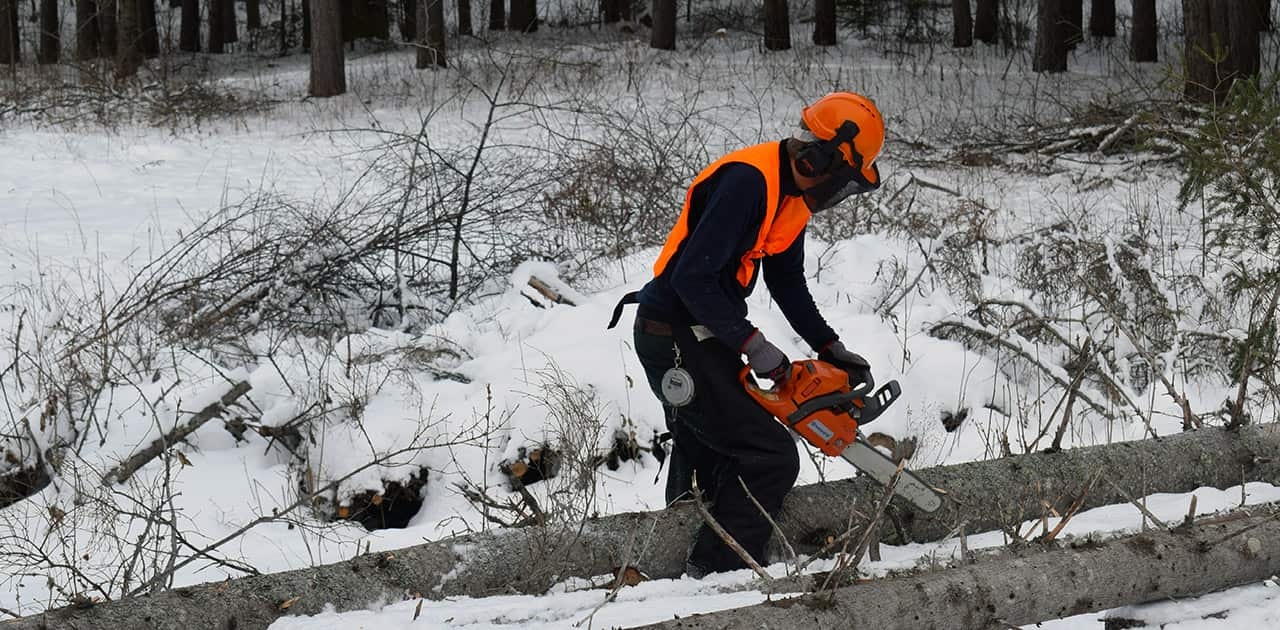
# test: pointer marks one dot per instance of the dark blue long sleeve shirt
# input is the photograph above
(699, 284)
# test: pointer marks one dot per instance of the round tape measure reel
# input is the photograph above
(677, 386)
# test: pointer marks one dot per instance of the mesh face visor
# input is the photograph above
(844, 182)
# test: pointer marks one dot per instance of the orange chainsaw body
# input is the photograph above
(818, 402)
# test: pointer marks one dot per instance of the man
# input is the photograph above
(749, 207)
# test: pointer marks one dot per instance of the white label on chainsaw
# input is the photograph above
(822, 430)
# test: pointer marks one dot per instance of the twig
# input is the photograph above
(1075, 507)
(1141, 508)
(726, 537)
(868, 530)
(1218, 541)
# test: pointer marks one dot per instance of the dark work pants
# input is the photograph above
(721, 436)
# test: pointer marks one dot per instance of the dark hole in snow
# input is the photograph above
(20, 484)
(951, 421)
(531, 466)
(393, 508)
(1122, 623)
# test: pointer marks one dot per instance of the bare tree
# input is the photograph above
(986, 28)
(128, 47)
(87, 30)
(464, 18)
(777, 25)
(50, 40)
(962, 24)
(431, 51)
(1051, 45)
(1102, 18)
(189, 36)
(1143, 36)
(497, 15)
(663, 36)
(229, 26)
(328, 65)
(253, 14)
(10, 48)
(824, 22)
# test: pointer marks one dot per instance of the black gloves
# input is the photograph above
(836, 354)
(766, 359)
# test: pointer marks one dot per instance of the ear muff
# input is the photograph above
(820, 157)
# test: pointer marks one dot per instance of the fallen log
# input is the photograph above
(1033, 584)
(982, 496)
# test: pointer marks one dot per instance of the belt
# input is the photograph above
(653, 327)
(663, 329)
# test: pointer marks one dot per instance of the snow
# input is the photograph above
(83, 209)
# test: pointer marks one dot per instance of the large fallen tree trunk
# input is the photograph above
(1033, 584)
(981, 496)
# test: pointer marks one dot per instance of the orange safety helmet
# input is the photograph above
(858, 145)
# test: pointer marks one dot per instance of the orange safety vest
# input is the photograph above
(783, 218)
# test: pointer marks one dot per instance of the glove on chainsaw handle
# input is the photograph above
(858, 368)
(765, 359)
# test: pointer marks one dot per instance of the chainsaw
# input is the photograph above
(818, 402)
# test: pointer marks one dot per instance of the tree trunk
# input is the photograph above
(431, 51)
(87, 35)
(1051, 47)
(962, 24)
(986, 21)
(1264, 15)
(824, 22)
(253, 14)
(129, 44)
(189, 35)
(10, 47)
(408, 20)
(777, 25)
(611, 11)
(663, 35)
(1143, 37)
(524, 16)
(1245, 53)
(378, 25)
(215, 26)
(985, 496)
(624, 8)
(359, 20)
(150, 31)
(1203, 44)
(107, 32)
(229, 22)
(1029, 586)
(328, 66)
(497, 15)
(50, 39)
(464, 18)
(1102, 18)
(306, 25)
(1072, 22)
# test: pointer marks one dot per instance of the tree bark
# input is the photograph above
(610, 11)
(408, 20)
(306, 25)
(1143, 37)
(86, 30)
(962, 24)
(431, 51)
(107, 30)
(253, 14)
(1102, 18)
(10, 42)
(189, 34)
(215, 26)
(129, 45)
(986, 21)
(983, 495)
(1204, 83)
(464, 18)
(1033, 585)
(150, 31)
(663, 35)
(1072, 22)
(824, 22)
(1245, 50)
(497, 15)
(50, 39)
(777, 25)
(378, 26)
(1264, 15)
(328, 65)
(1051, 47)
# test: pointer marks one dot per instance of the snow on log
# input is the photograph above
(981, 496)
(1033, 584)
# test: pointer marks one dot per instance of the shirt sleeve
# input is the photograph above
(734, 209)
(784, 275)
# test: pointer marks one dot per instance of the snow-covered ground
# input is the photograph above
(84, 209)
